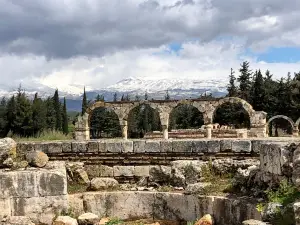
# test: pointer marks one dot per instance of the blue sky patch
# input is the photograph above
(276, 55)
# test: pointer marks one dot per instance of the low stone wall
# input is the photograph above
(163, 206)
(145, 152)
(39, 193)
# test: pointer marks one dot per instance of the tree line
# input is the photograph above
(25, 117)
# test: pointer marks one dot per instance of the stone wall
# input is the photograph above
(163, 206)
(39, 193)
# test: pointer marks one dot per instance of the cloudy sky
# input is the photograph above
(63, 43)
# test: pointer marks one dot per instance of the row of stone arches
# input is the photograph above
(144, 119)
(163, 109)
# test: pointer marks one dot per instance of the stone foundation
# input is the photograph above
(163, 206)
(40, 194)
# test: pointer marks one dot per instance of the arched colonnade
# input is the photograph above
(295, 125)
(164, 108)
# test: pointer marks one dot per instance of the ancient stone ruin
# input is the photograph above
(164, 107)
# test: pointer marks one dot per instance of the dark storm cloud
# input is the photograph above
(64, 29)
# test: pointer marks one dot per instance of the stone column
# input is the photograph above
(82, 129)
(295, 132)
(165, 132)
(208, 131)
(164, 120)
(124, 128)
(258, 121)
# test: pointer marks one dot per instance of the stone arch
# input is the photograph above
(281, 117)
(297, 123)
(234, 101)
(196, 111)
(154, 117)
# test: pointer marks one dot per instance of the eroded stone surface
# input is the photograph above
(103, 183)
(7, 150)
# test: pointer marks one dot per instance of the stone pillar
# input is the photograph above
(82, 129)
(165, 132)
(208, 131)
(164, 120)
(258, 122)
(124, 128)
(295, 132)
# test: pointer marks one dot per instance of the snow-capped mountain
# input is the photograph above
(156, 88)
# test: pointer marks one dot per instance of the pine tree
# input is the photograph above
(122, 98)
(137, 98)
(65, 127)
(38, 115)
(50, 114)
(146, 95)
(245, 82)
(58, 110)
(98, 98)
(11, 113)
(115, 97)
(231, 88)
(84, 103)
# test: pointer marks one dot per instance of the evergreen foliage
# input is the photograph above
(84, 102)
(24, 117)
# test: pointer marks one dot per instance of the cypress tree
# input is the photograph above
(11, 113)
(167, 96)
(58, 110)
(231, 88)
(3, 118)
(115, 97)
(146, 95)
(245, 82)
(65, 127)
(84, 103)
(258, 93)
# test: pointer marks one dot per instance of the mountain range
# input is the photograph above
(133, 86)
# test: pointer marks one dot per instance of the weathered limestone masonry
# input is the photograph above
(163, 206)
(144, 152)
(207, 108)
(38, 193)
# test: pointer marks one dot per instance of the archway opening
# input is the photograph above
(280, 127)
(185, 116)
(104, 123)
(142, 120)
(232, 115)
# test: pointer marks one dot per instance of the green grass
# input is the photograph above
(44, 136)
(74, 187)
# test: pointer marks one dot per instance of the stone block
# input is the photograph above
(270, 158)
(241, 146)
(200, 146)
(51, 183)
(213, 146)
(176, 206)
(66, 147)
(127, 146)
(182, 146)
(225, 145)
(41, 210)
(5, 206)
(54, 147)
(18, 184)
(152, 146)
(160, 174)
(75, 203)
(111, 204)
(139, 146)
(256, 145)
(127, 171)
(141, 171)
(23, 148)
(41, 146)
(166, 146)
(79, 146)
(92, 146)
(102, 146)
(114, 147)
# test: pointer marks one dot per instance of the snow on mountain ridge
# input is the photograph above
(137, 84)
